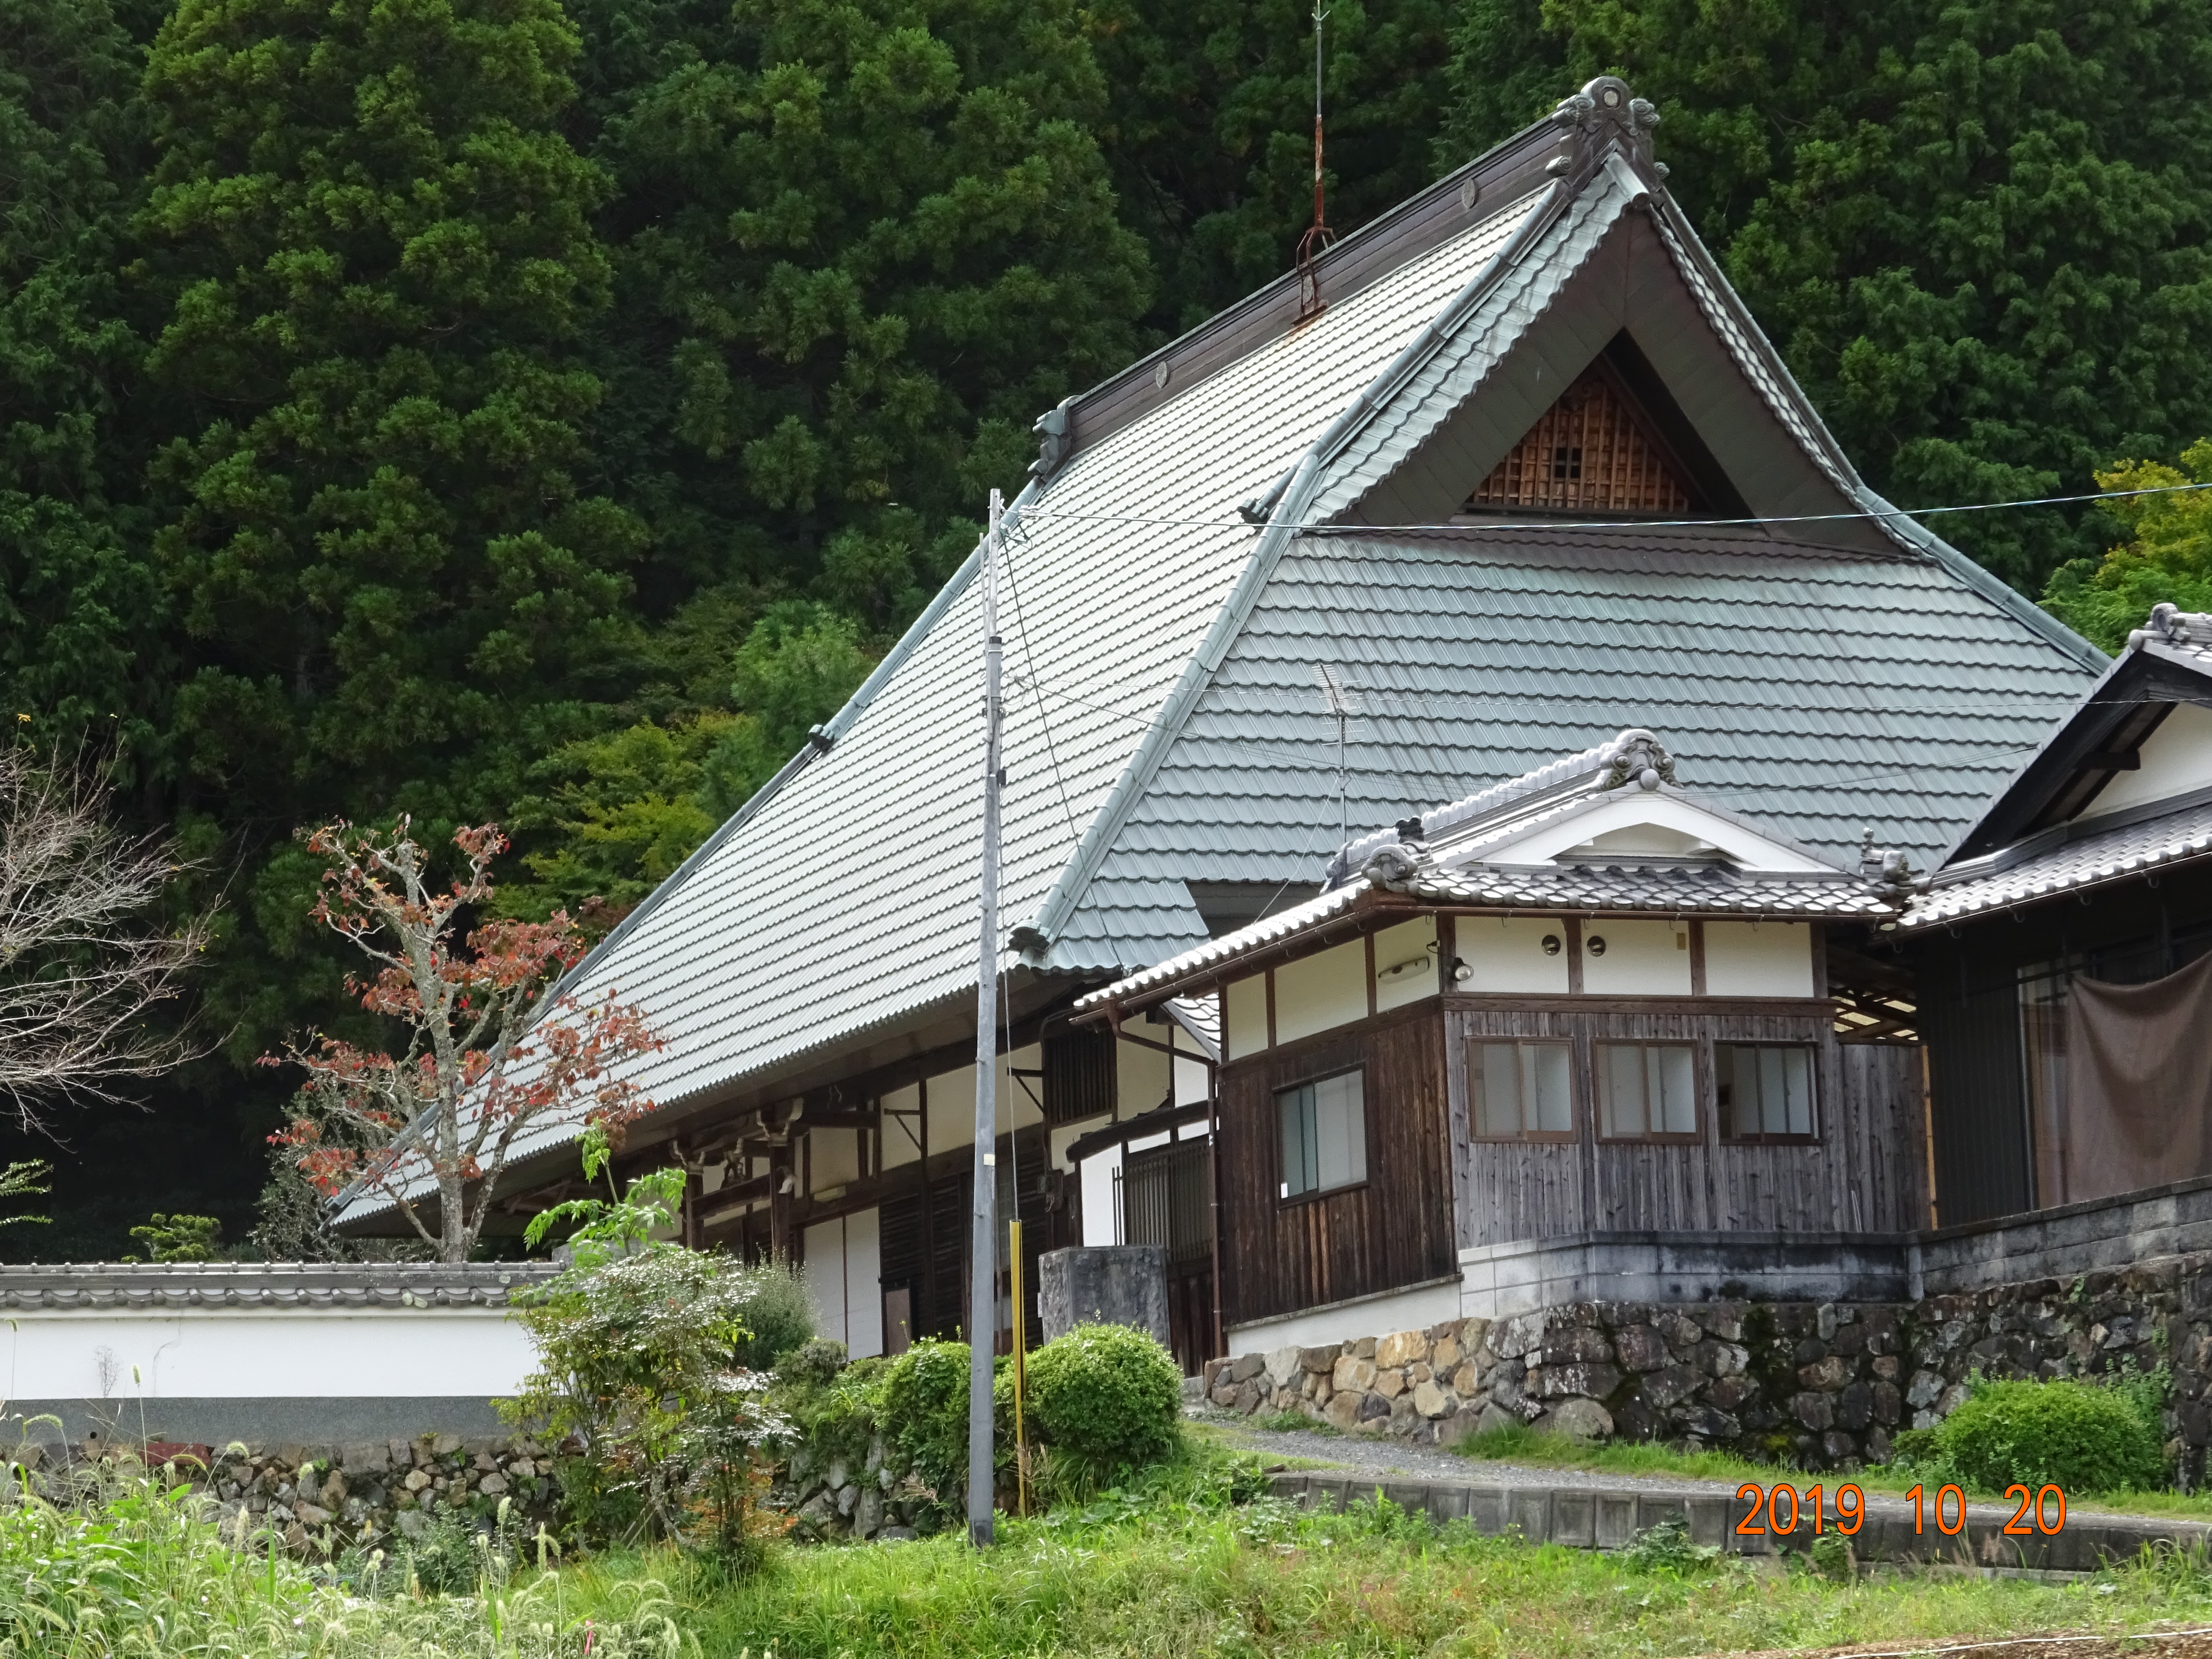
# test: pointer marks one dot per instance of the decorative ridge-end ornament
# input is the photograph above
(1638, 756)
(1605, 114)
(2169, 624)
(1055, 439)
(1391, 863)
(1888, 872)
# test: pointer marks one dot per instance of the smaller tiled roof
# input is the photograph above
(1433, 867)
(1686, 889)
(1268, 929)
(2066, 859)
(117, 1286)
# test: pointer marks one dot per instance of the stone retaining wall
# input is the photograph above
(1824, 1385)
(324, 1499)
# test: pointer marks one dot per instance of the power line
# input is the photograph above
(1754, 521)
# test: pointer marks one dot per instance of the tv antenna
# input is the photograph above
(1318, 235)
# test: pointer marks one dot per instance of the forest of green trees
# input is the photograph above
(500, 410)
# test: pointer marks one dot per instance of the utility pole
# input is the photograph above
(983, 1242)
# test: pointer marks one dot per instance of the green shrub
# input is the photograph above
(812, 1364)
(922, 1406)
(2074, 1435)
(772, 1302)
(1106, 1400)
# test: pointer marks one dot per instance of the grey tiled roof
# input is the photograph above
(2070, 858)
(121, 1285)
(1816, 690)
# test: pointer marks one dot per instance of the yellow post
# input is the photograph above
(1021, 1447)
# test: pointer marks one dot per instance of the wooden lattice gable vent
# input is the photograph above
(1594, 450)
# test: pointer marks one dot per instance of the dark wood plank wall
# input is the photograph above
(1864, 1173)
(1394, 1229)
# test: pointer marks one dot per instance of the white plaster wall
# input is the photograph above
(287, 1354)
(1347, 1321)
(898, 1134)
(952, 1101)
(1758, 959)
(1099, 1220)
(832, 1157)
(864, 1290)
(1642, 958)
(1506, 955)
(1409, 941)
(1321, 991)
(1068, 1134)
(952, 1097)
(1244, 1017)
(1140, 1074)
(844, 1272)
(2176, 759)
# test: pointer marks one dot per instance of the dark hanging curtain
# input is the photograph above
(2138, 1083)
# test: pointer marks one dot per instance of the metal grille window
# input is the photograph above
(1764, 1091)
(1522, 1091)
(1324, 1134)
(1647, 1090)
(1167, 1199)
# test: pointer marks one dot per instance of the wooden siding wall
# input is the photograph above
(1864, 1174)
(1394, 1228)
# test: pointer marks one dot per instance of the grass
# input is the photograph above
(1171, 1568)
(1184, 1578)
(1527, 1448)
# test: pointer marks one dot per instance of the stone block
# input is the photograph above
(1224, 1396)
(1105, 1284)
(1855, 1406)
(1459, 1426)
(1400, 1348)
(1429, 1400)
(1573, 1344)
(1374, 1409)
(1320, 1361)
(1466, 1381)
(1250, 1397)
(1825, 1375)
(1561, 1382)
(1353, 1373)
(1816, 1411)
(1364, 1348)
(1512, 1338)
(1579, 1420)
(1639, 1348)
(1344, 1406)
(1473, 1334)
(1390, 1384)
(1282, 1365)
(1444, 1355)
(1668, 1386)
(1925, 1389)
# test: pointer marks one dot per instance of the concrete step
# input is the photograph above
(1596, 1517)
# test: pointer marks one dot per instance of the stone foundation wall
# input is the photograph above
(324, 1499)
(1826, 1385)
(1820, 1385)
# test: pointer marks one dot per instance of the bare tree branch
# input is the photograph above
(84, 970)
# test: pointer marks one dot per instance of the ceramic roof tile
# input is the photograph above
(1818, 689)
(2070, 858)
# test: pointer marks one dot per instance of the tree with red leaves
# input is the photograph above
(487, 1057)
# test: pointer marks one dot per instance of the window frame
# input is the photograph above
(1724, 1112)
(1284, 1201)
(1695, 1135)
(1568, 1136)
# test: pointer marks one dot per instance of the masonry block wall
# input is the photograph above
(1827, 1386)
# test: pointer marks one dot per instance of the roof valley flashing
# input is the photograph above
(1160, 649)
